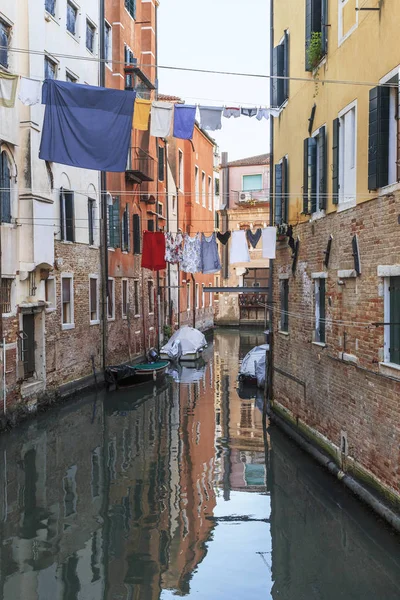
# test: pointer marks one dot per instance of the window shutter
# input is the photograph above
(310, 176)
(161, 163)
(322, 187)
(378, 139)
(62, 228)
(309, 4)
(285, 190)
(110, 226)
(322, 310)
(116, 223)
(306, 208)
(136, 234)
(128, 229)
(335, 161)
(286, 66)
(69, 216)
(93, 295)
(394, 292)
(278, 194)
(324, 28)
(123, 232)
(277, 70)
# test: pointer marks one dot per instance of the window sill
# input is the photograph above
(96, 322)
(67, 326)
(93, 247)
(389, 189)
(136, 316)
(349, 358)
(319, 214)
(127, 11)
(109, 66)
(49, 310)
(73, 36)
(319, 344)
(8, 315)
(124, 317)
(110, 319)
(49, 17)
(342, 206)
(66, 242)
(111, 249)
(391, 369)
(151, 314)
(285, 333)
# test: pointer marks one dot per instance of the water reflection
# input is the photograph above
(156, 492)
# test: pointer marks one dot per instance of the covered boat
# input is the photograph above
(186, 344)
(248, 370)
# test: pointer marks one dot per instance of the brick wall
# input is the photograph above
(322, 389)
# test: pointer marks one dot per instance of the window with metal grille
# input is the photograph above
(72, 14)
(130, 6)
(284, 305)
(32, 283)
(4, 41)
(50, 6)
(5, 189)
(90, 33)
(5, 295)
(93, 299)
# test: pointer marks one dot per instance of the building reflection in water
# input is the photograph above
(146, 494)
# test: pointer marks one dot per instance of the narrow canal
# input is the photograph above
(149, 494)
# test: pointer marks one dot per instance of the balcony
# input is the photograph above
(140, 166)
(252, 197)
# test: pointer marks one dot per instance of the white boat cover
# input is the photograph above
(260, 371)
(251, 359)
(186, 340)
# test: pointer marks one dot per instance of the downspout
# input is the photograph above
(103, 200)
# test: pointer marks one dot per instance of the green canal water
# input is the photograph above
(157, 492)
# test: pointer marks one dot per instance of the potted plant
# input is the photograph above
(314, 50)
(281, 233)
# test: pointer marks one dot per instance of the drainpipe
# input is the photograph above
(103, 201)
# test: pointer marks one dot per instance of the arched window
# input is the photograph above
(5, 189)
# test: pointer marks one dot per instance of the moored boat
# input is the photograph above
(249, 374)
(186, 344)
(126, 375)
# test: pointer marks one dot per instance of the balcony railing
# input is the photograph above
(140, 166)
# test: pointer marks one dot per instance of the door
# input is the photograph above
(28, 326)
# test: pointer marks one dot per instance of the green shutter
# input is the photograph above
(322, 187)
(335, 161)
(378, 138)
(116, 223)
(286, 66)
(136, 234)
(394, 291)
(62, 228)
(277, 70)
(310, 175)
(285, 190)
(306, 208)
(324, 26)
(110, 226)
(278, 194)
(308, 32)
(322, 310)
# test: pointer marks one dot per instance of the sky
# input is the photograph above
(225, 35)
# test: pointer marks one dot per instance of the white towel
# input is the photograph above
(269, 242)
(239, 252)
(29, 91)
(161, 119)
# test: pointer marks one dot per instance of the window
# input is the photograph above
(125, 297)
(5, 295)
(72, 14)
(67, 216)
(114, 231)
(196, 185)
(384, 136)
(111, 299)
(316, 29)
(136, 291)
(108, 43)
(252, 183)
(129, 55)
(319, 290)
(50, 292)
(180, 169)
(150, 225)
(50, 68)
(93, 299)
(67, 301)
(130, 6)
(150, 291)
(91, 219)
(136, 234)
(280, 68)
(50, 6)
(281, 192)
(90, 34)
(210, 196)
(392, 317)
(216, 188)
(4, 42)
(188, 296)
(203, 296)
(174, 204)
(347, 19)
(203, 189)
(315, 173)
(284, 305)
(160, 208)
(70, 77)
(5, 188)
(125, 226)
(161, 166)
(211, 296)
(197, 296)
(344, 157)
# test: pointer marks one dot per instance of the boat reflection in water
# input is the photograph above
(157, 491)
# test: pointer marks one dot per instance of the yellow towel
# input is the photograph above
(8, 89)
(141, 114)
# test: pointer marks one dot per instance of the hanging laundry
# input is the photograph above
(249, 112)
(269, 242)
(153, 253)
(224, 237)
(29, 91)
(86, 126)
(231, 111)
(161, 119)
(141, 114)
(210, 117)
(8, 89)
(210, 262)
(263, 113)
(239, 250)
(184, 119)
(191, 260)
(173, 248)
(253, 238)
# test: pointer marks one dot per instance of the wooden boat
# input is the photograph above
(127, 375)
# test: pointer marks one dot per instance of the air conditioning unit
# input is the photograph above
(245, 196)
